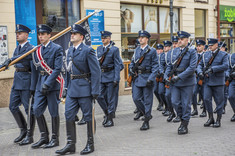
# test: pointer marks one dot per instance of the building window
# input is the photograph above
(200, 26)
(227, 34)
(58, 14)
(154, 19)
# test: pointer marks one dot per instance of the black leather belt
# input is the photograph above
(22, 70)
(143, 71)
(81, 76)
(43, 73)
(106, 69)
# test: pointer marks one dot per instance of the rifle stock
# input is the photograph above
(129, 80)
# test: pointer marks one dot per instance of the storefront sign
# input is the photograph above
(3, 44)
(96, 23)
(227, 13)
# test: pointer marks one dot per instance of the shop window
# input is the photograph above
(165, 20)
(150, 19)
(227, 35)
(200, 24)
(58, 14)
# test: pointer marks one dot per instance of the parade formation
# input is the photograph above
(176, 72)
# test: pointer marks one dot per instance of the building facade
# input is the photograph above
(124, 18)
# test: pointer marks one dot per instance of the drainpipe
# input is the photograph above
(218, 20)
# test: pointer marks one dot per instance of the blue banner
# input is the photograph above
(96, 23)
(25, 13)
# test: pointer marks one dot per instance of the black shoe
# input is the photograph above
(218, 121)
(203, 114)
(55, 133)
(136, 111)
(223, 111)
(167, 113)
(138, 115)
(233, 118)
(201, 107)
(145, 125)
(143, 118)
(171, 117)
(177, 119)
(20, 120)
(215, 111)
(184, 128)
(194, 112)
(109, 122)
(44, 132)
(71, 139)
(164, 111)
(210, 121)
(105, 117)
(90, 140)
(82, 121)
(29, 136)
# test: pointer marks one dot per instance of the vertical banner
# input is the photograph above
(25, 13)
(96, 23)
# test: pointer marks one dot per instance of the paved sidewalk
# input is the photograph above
(125, 138)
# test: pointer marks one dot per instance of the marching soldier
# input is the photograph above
(214, 78)
(197, 89)
(156, 83)
(83, 87)
(174, 41)
(168, 90)
(23, 86)
(109, 59)
(143, 69)
(183, 79)
(162, 68)
(48, 57)
(232, 83)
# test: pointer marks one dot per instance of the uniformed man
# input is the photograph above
(168, 90)
(160, 107)
(232, 83)
(109, 59)
(183, 80)
(23, 87)
(83, 87)
(49, 57)
(214, 79)
(197, 89)
(174, 41)
(144, 74)
(162, 68)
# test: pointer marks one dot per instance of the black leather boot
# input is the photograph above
(105, 117)
(109, 122)
(71, 139)
(233, 118)
(55, 133)
(210, 120)
(20, 120)
(138, 115)
(82, 121)
(194, 112)
(42, 125)
(218, 121)
(90, 140)
(29, 136)
(160, 106)
(203, 114)
(184, 127)
(145, 125)
(177, 119)
(167, 113)
(136, 111)
(171, 117)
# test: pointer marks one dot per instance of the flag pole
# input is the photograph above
(52, 39)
